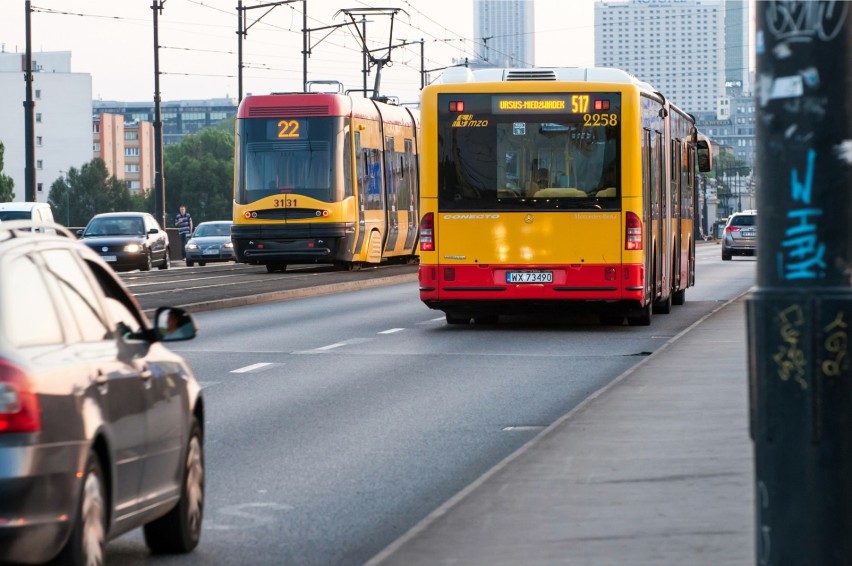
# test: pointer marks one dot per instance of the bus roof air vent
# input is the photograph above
(530, 75)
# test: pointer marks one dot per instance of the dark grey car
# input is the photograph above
(211, 241)
(740, 236)
(101, 425)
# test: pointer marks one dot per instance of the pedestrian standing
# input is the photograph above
(183, 221)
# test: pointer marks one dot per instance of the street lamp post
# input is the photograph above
(67, 200)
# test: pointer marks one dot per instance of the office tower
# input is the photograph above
(504, 33)
(679, 46)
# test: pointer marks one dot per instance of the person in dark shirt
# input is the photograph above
(183, 221)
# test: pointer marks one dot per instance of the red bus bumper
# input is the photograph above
(458, 286)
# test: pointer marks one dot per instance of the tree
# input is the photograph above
(86, 192)
(6, 183)
(729, 171)
(199, 172)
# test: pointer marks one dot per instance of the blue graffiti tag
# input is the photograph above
(804, 254)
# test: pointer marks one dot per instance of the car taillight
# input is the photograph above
(632, 232)
(19, 407)
(732, 229)
(427, 233)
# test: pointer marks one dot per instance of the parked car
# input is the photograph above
(211, 241)
(101, 425)
(128, 240)
(36, 211)
(740, 235)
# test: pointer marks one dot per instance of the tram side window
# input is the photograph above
(347, 165)
(407, 177)
(373, 178)
(391, 172)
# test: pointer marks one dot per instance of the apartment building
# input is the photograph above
(63, 113)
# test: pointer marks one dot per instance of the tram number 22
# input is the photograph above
(288, 129)
(284, 203)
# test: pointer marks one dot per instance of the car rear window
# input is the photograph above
(743, 220)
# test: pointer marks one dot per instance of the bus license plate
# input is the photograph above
(529, 277)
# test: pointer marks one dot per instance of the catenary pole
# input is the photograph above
(159, 182)
(29, 115)
(800, 316)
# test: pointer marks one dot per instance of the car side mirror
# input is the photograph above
(173, 324)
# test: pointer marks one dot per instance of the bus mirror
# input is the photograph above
(705, 155)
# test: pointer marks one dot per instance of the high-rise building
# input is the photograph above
(696, 52)
(504, 33)
(677, 46)
(63, 118)
(737, 46)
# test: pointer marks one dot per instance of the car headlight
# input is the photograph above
(132, 248)
(191, 245)
(228, 244)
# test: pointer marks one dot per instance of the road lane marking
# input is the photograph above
(391, 330)
(252, 367)
(330, 346)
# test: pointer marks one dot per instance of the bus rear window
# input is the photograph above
(546, 151)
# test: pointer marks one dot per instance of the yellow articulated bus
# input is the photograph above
(563, 189)
(325, 178)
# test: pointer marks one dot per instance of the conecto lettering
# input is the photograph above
(471, 216)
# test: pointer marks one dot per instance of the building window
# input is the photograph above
(131, 168)
(135, 185)
(39, 164)
(131, 135)
(38, 94)
(40, 186)
(38, 141)
(131, 151)
(96, 128)
(96, 147)
(38, 116)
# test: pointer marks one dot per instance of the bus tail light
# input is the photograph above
(427, 233)
(19, 406)
(632, 232)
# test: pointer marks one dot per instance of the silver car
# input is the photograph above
(740, 236)
(101, 425)
(211, 241)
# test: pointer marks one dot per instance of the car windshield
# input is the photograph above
(206, 230)
(115, 227)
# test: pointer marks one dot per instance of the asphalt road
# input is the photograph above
(221, 285)
(335, 423)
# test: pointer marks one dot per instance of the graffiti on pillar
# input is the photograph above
(802, 255)
(792, 20)
(794, 93)
(790, 357)
(836, 347)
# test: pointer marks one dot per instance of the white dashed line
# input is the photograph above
(252, 367)
(391, 330)
(330, 346)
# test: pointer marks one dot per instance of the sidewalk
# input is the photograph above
(655, 469)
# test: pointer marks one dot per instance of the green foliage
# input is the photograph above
(83, 193)
(199, 173)
(6, 183)
(726, 165)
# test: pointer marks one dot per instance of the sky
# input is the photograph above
(114, 42)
